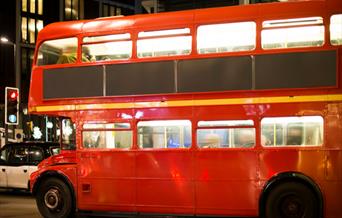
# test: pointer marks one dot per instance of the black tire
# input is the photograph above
(54, 199)
(291, 200)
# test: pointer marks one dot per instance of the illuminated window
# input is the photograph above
(115, 47)
(292, 131)
(71, 9)
(226, 134)
(167, 43)
(24, 29)
(24, 5)
(163, 134)
(32, 30)
(292, 33)
(107, 135)
(227, 37)
(336, 29)
(59, 51)
(33, 6)
(40, 25)
(40, 7)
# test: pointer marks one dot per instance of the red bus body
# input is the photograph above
(195, 181)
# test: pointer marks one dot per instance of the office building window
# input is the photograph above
(24, 5)
(71, 9)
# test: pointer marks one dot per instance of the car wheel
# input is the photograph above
(54, 199)
(291, 200)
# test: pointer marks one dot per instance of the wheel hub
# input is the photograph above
(52, 199)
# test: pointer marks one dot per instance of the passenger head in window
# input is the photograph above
(294, 136)
(246, 138)
(69, 55)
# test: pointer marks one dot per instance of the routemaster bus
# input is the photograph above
(232, 111)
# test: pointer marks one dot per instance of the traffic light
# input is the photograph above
(11, 106)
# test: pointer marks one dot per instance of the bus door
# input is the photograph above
(225, 167)
(164, 166)
(106, 167)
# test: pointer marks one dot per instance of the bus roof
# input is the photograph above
(184, 18)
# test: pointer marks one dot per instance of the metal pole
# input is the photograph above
(6, 133)
(17, 55)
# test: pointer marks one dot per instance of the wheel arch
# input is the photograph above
(54, 174)
(286, 177)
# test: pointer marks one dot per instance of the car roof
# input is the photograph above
(40, 144)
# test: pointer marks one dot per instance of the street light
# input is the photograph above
(5, 40)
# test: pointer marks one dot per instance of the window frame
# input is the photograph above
(139, 147)
(164, 36)
(293, 146)
(130, 39)
(227, 127)
(131, 129)
(227, 22)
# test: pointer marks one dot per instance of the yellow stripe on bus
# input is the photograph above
(181, 103)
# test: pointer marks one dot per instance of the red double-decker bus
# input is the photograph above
(233, 111)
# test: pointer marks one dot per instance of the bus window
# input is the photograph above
(164, 43)
(59, 51)
(292, 33)
(107, 135)
(336, 29)
(164, 134)
(105, 48)
(226, 37)
(226, 134)
(292, 131)
(69, 134)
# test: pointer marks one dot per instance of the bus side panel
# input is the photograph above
(106, 180)
(164, 181)
(226, 181)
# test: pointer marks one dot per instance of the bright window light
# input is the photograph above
(306, 36)
(292, 22)
(286, 120)
(226, 37)
(336, 29)
(170, 46)
(164, 123)
(108, 51)
(107, 37)
(164, 32)
(225, 123)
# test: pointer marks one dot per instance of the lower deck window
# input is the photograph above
(226, 134)
(164, 134)
(116, 136)
(292, 131)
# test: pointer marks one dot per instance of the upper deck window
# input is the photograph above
(292, 33)
(164, 43)
(108, 47)
(336, 29)
(226, 37)
(58, 51)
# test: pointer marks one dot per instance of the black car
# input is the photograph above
(19, 160)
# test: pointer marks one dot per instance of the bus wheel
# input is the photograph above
(54, 199)
(291, 200)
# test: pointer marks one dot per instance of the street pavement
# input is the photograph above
(19, 204)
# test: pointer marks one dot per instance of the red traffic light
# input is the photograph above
(13, 95)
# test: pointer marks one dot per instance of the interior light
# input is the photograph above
(107, 37)
(164, 123)
(164, 32)
(292, 22)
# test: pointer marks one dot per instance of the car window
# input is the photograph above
(36, 155)
(4, 155)
(18, 155)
